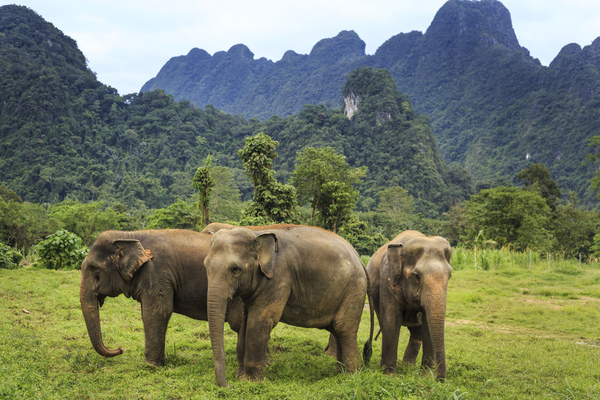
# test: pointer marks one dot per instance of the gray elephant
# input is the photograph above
(408, 284)
(162, 269)
(298, 275)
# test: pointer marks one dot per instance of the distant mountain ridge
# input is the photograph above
(494, 109)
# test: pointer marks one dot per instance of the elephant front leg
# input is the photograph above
(155, 319)
(257, 338)
(241, 349)
(390, 330)
(414, 346)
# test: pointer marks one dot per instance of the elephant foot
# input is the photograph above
(252, 374)
(389, 370)
(331, 351)
(240, 373)
(155, 363)
(252, 378)
(267, 360)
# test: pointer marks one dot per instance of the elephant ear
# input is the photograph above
(267, 253)
(130, 256)
(394, 255)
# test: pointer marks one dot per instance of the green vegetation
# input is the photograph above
(273, 202)
(512, 333)
(326, 181)
(61, 250)
(203, 182)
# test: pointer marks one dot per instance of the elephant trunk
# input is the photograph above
(434, 348)
(217, 308)
(91, 315)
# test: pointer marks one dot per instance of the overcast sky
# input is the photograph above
(126, 42)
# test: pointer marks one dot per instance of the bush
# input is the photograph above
(61, 250)
(9, 257)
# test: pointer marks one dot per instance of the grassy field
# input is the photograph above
(512, 333)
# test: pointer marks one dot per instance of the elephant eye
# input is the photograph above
(235, 271)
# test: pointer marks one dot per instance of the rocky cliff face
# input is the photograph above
(351, 104)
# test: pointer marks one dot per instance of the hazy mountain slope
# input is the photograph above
(494, 109)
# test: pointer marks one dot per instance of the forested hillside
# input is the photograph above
(64, 135)
(494, 108)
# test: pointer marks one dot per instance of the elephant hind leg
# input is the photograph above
(348, 354)
(331, 349)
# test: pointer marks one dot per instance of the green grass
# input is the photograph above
(512, 333)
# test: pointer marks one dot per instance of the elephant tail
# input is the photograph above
(368, 348)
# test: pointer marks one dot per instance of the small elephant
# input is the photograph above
(162, 269)
(408, 284)
(298, 275)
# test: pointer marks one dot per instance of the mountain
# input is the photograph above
(236, 83)
(65, 135)
(494, 108)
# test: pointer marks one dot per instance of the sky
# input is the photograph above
(126, 42)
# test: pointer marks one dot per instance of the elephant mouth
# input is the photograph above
(101, 299)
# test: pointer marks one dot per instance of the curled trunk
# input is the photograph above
(217, 307)
(91, 315)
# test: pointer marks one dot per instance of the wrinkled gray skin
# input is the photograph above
(409, 280)
(298, 275)
(162, 269)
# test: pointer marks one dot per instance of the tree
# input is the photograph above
(273, 202)
(537, 178)
(456, 225)
(204, 183)
(86, 220)
(23, 224)
(510, 216)
(225, 197)
(398, 206)
(326, 181)
(179, 215)
(574, 228)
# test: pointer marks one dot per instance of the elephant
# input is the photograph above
(162, 269)
(299, 275)
(408, 284)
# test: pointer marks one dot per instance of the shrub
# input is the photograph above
(61, 250)
(9, 257)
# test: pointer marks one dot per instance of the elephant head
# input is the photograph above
(420, 270)
(108, 270)
(236, 263)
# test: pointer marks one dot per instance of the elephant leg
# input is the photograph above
(347, 353)
(257, 337)
(345, 326)
(156, 320)
(428, 360)
(414, 346)
(241, 348)
(331, 349)
(389, 324)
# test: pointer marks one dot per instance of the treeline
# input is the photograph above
(324, 193)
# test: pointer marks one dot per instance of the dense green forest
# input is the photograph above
(494, 108)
